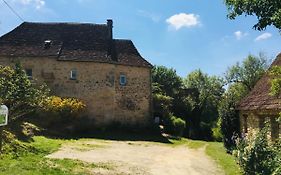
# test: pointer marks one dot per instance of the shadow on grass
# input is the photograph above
(115, 134)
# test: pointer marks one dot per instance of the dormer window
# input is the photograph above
(47, 44)
(28, 73)
(73, 74)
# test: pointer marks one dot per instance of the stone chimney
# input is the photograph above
(110, 27)
(111, 48)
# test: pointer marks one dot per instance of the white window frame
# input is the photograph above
(123, 77)
(72, 73)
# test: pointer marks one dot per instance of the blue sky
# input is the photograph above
(182, 34)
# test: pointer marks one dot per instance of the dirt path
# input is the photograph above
(143, 158)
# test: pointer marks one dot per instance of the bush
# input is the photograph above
(259, 156)
(174, 125)
(63, 109)
(179, 126)
(17, 92)
(216, 131)
(60, 116)
(217, 135)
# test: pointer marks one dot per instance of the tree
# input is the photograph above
(249, 72)
(204, 107)
(170, 86)
(240, 79)
(18, 93)
(161, 102)
(229, 119)
(275, 72)
(268, 12)
(168, 80)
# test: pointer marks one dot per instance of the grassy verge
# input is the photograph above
(33, 162)
(226, 161)
(193, 144)
(216, 151)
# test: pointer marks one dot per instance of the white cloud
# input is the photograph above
(263, 36)
(154, 17)
(38, 4)
(239, 35)
(180, 20)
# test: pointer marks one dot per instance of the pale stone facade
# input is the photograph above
(98, 85)
(252, 122)
(259, 108)
(100, 64)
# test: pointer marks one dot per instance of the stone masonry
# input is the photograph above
(99, 63)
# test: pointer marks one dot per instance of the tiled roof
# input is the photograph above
(259, 98)
(70, 42)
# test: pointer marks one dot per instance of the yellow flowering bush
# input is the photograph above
(63, 107)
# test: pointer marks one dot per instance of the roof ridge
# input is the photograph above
(67, 23)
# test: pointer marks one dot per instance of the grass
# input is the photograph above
(226, 161)
(216, 151)
(34, 162)
(193, 144)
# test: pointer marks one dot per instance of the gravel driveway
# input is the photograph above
(139, 157)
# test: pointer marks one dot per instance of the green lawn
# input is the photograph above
(34, 162)
(226, 161)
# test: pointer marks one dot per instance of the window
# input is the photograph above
(123, 80)
(73, 74)
(47, 44)
(28, 73)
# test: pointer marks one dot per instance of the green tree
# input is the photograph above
(241, 78)
(268, 12)
(161, 102)
(247, 73)
(275, 72)
(229, 119)
(18, 93)
(170, 85)
(204, 105)
(167, 78)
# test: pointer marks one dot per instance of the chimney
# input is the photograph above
(110, 26)
(111, 48)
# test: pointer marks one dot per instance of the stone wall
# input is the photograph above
(98, 85)
(252, 121)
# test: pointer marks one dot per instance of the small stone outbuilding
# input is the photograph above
(259, 107)
(84, 61)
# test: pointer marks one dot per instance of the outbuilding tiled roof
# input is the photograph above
(70, 42)
(259, 98)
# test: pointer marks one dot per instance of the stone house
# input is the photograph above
(84, 61)
(259, 107)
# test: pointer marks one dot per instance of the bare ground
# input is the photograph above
(139, 157)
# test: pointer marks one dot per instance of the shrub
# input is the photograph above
(58, 111)
(217, 135)
(216, 131)
(259, 156)
(174, 125)
(179, 126)
(64, 107)
(17, 92)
